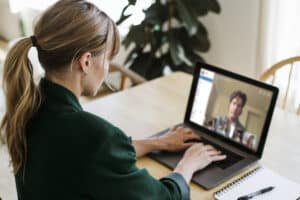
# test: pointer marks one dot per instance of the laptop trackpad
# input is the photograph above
(170, 159)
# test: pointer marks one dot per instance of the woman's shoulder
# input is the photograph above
(90, 121)
(94, 124)
(103, 132)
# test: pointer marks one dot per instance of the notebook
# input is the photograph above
(256, 180)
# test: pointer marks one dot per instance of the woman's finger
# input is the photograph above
(192, 136)
(214, 153)
(186, 130)
(218, 157)
(208, 148)
(187, 144)
(172, 129)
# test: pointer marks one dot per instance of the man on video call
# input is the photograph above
(230, 125)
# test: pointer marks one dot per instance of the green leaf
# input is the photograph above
(167, 60)
(156, 40)
(131, 2)
(141, 64)
(147, 66)
(187, 68)
(198, 7)
(202, 44)
(201, 8)
(214, 6)
(194, 57)
(198, 42)
(156, 14)
(133, 54)
(123, 17)
(201, 29)
(136, 35)
(187, 17)
(156, 69)
(174, 50)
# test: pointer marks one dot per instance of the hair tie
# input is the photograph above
(33, 40)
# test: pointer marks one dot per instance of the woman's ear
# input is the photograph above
(85, 62)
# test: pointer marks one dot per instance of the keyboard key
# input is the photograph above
(231, 157)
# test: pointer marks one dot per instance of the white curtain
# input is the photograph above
(280, 39)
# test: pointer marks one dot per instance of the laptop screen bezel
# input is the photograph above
(202, 129)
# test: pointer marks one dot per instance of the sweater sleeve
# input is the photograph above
(113, 174)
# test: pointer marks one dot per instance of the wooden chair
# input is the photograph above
(128, 77)
(273, 70)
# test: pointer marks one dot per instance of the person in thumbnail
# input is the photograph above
(250, 142)
(229, 125)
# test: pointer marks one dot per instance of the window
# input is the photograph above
(112, 8)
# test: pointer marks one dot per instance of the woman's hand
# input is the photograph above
(175, 140)
(197, 157)
(178, 138)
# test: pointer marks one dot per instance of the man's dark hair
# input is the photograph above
(239, 94)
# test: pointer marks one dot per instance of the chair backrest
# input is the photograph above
(270, 75)
(128, 77)
(120, 78)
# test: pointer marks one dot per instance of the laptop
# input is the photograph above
(230, 112)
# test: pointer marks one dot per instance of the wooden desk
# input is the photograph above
(161, 103)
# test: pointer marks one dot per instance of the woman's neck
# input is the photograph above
(70, 82)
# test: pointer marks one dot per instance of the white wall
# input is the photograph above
(234, 36)
(9, 23)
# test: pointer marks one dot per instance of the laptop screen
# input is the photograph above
(230, 106)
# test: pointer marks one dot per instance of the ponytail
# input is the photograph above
(57, 45)
(22, 101)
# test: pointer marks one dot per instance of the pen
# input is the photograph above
(251, 195)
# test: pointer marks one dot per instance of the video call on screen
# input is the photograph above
(230, 107)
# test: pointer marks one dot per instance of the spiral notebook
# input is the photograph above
(256, 180)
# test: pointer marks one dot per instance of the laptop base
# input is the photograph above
(209, 177)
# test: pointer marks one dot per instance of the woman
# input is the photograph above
(59, 151)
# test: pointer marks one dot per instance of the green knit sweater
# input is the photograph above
(73, 154)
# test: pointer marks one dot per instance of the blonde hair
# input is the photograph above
(65, 31)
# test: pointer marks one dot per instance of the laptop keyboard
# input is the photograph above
(231, 157)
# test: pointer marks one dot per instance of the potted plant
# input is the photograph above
(171, 34)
